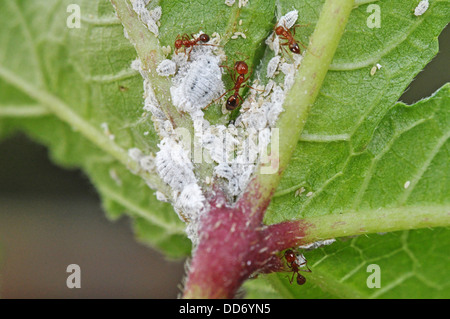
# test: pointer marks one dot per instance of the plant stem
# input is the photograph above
(302, 96)
(150, 53)
(373, 221)
(234, 243)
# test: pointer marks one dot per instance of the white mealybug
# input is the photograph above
(373, 70)
(300, 260)
(243, 3)
(233, 186)
(237, 34)
(166, 68)
(135, 154)
(288, 20)
(153, 27)
(268, 88)
(244, 178)
(113, 174)
(147, 163)
(173, 165)
(274, 43)
(107, 131)
(161, 197)
(299, 191)
(275, 105)
(230, 2)
(421, 8)
(289, 70)
(190, 200)
(156, 111)
(272, 66)
(199, 85)
(156, 13)
(224, 170)
(136, 64)
(148, 18)
(317, 244)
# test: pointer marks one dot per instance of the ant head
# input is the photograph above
(204, 37)
(178, 43)
(290, 256)
(294, 48)
(241, 67)
(233, 102)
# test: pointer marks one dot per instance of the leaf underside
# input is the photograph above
(358, 152)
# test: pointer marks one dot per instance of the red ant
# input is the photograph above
(285, 34)
(291, 258)
(186, 42)
(234, 100)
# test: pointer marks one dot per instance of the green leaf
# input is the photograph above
(360, 157)
(357, 153)
(61, 85)
(345, 161)
(412, 264)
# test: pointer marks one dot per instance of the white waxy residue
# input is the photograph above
(166, 68)
(318, 244)
(288, 20)
(421, 8)
(272, 66)
(148, 18)
(197, 84)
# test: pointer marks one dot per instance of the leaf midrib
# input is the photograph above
(50, 104)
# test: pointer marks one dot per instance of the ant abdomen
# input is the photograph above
(233, 102)
(204, 37)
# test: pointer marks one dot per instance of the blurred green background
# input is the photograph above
(52, 217)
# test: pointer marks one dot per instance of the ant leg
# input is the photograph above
(304, 47)
(230, 72)
(292, 279)
(305, 263)
(232, 75)
(283, 47)
(299, 26)
(189, 54)
(245, 55)
(251, 87)
(305, 270)
(193, 34)
(218, 98)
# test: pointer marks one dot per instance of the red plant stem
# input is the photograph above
(231, 249)
(234, 242)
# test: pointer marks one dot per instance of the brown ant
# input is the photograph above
(235, 100)
(291, 259)
(285, 34)
(186, 42)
